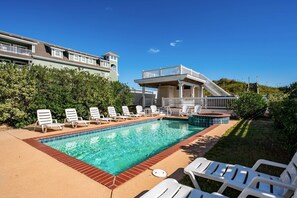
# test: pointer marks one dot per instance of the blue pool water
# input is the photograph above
(118, 149)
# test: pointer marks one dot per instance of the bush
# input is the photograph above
(27, 89)
(250, 105)
(284, 113)
(17, 92)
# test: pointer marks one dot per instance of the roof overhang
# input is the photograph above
(17, 39)
(173, 80)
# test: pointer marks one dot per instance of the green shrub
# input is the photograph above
(17, 92)
(27, 89)
(284, 113)
(250, 105)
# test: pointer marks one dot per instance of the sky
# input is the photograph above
(235, 39)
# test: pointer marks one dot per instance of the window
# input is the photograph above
(83, 59)
(75, 57)
(113, 67)
(105, 64)
(57, 53)
(91, 61)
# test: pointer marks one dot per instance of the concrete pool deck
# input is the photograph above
(28, 172)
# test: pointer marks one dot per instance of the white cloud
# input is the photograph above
(174, 43)
(153, 51)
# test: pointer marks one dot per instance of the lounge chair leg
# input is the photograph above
(194, 181)
(223, 188)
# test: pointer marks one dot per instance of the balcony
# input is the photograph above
(175, 70)
(15, 50)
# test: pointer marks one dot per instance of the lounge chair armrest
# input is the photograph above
(55, 120)
(80, 118)
(252, 191)
(267, 162)
(118, 114)
(102, 116)
(255, 181)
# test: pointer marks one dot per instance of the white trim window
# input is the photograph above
(114, 58)
(83, 59)
(75, 57)
(91, 61)
(57, 53)
(105, 64)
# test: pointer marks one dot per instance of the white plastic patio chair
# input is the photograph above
(74, 120)
(114, 115)
(184, 111)
(139, 110)
(238, 176)
(96, 117)
(129, 114)
(170, 188)
(251, 189)
(154, 110)
(197, 109)
(45, 120)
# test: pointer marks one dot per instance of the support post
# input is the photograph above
(180, 90)
(143, 97)
(200, 91)
(193, 91)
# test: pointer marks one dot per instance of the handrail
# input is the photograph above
(175, 70)
(205, 102)
(14, 49)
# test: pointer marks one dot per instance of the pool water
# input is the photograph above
(118, 149)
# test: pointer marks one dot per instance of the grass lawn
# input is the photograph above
(244, 144)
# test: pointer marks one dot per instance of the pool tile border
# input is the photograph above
(100, 176)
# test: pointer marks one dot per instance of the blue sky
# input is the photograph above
(235, 39)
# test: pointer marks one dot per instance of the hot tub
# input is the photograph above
(208, 119)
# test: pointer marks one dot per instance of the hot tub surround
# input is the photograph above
(208, 119)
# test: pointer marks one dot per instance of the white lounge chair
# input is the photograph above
(184, 111)
(197, 109)
(114, 115)
(139, 110)
(45, 120)
(238, 176)
(129, 114)
(154, 110)
(170, 188)
(74, 120)
(96, 117)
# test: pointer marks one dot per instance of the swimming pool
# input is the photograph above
(117, 149)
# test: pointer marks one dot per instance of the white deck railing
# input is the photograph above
(175, 70)
(205, 102)
(178, 70)
(14, 49)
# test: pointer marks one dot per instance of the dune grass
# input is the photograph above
(244, 144)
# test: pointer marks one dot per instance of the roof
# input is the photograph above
(111, 53)
(52, 45)
(16, 36)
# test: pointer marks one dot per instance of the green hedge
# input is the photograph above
(250, 105)
(26, 89)
(283, 109)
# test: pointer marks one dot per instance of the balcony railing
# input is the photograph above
(15, 50)
(205, 102)
(175, 70)
(178, 70)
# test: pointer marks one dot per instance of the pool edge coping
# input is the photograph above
(100, 176)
